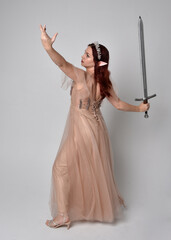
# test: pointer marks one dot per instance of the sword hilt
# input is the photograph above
(145, 100)
(146, 113)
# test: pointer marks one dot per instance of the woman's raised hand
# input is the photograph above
(46, 40)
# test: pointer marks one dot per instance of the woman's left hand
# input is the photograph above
(143, 107)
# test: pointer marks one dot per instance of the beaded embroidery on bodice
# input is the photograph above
(89, 103)
(91, 106)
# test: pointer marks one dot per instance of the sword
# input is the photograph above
(143, 65)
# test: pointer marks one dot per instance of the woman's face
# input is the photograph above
(87, 58)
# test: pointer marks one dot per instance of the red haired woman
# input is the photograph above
(82, 184)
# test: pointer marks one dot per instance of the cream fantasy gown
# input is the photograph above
(82, 183)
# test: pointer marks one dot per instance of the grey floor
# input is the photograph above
(24, 219)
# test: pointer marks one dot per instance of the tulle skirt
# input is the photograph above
(82, 182)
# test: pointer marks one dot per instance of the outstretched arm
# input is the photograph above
(59, 60)
(124, 106)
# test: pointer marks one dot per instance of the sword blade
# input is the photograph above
(142, 56)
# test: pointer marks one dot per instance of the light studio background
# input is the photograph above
(34, 108)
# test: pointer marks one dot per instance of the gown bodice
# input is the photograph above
(85, 97)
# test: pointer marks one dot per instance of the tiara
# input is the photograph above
(98, 50)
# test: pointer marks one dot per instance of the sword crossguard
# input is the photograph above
(145, 100)
(142, 99)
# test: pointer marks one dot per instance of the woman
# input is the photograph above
(82, 184)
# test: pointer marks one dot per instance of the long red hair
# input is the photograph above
(101, 73)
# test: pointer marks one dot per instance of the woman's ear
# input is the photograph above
(101, 63)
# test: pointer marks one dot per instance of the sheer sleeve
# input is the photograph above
(65, 81)
(79, 82)
(75, 74)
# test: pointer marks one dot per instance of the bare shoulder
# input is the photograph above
(73, 72)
